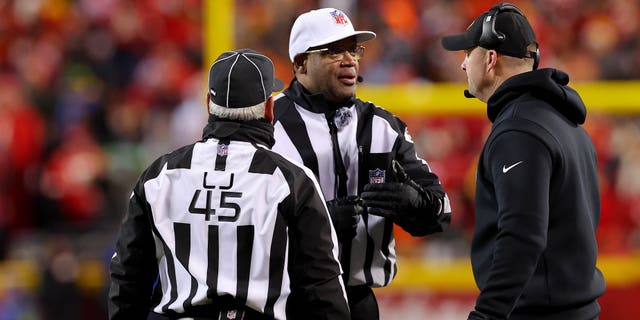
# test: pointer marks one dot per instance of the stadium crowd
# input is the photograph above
(92, 91)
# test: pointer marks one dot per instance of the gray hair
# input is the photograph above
(247, 113)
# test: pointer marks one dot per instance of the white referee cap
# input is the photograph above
(322, 26)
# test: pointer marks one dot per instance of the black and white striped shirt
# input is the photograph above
(347, 149)
(227, 217)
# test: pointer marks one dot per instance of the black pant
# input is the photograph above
(363, 303)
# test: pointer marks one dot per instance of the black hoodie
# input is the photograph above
(537, 205)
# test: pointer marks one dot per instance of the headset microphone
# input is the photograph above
(468, 94)
(360, 79)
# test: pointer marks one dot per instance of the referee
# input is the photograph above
(224, 228)
(358, 150)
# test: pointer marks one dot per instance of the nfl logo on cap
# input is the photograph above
(320, 27)
(339, 16)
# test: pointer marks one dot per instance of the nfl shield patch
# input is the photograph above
(223, 149)
(231, 314)
(377, 176)
(342, 117)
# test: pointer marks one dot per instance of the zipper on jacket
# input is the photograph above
(339, 171)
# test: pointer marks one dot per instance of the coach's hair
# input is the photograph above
(248, 113)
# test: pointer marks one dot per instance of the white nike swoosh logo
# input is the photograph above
(505, 168)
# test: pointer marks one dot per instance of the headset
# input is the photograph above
(490, 38)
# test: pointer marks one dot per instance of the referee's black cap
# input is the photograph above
(242, 78)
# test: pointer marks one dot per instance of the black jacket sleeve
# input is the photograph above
(133, 268)
(316, 284)
(521, 167)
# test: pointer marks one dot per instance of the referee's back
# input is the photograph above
(220, 228)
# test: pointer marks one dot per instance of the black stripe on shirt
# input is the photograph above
(171, 274)
(338, 163)
(183, 250)
(181, 158)
(213, 254)
(364, 140)
(245, 247)
(293, 124)
(262, 162)
(384, 247)
(368, 254)
(222, 155)
(276, 263)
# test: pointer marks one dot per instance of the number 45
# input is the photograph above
(208, 211)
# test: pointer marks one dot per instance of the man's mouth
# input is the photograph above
(348, 79)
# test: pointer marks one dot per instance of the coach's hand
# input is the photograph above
(403, 202)
(345, 215)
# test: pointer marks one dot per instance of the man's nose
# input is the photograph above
(348, 59)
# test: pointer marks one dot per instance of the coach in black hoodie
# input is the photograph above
(534, 249)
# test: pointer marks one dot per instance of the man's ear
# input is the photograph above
(268, 109)
(206, 104)
(299, 65)
(492, 59)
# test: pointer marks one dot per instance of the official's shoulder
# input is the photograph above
(282, 104)
(266, 161)
(176, 159)
(370, 106)
(281, 100)
(279, 96)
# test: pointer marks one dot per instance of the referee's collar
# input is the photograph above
(315, 103)
(253, 131)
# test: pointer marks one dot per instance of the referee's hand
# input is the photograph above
(345, 215)
(404, 202)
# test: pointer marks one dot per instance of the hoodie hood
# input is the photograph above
(547, 84)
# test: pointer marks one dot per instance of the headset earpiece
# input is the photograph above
(490, 38)
(536, 57)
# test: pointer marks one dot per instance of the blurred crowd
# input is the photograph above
(92, 91)
(591, 39)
